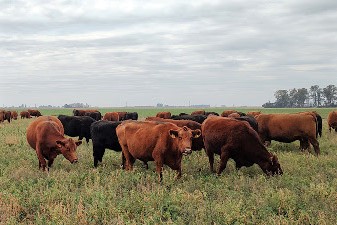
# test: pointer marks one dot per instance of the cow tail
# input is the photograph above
(319, 121)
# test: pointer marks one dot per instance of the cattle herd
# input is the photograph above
(166, 138)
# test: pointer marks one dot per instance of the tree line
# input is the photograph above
(302, 97)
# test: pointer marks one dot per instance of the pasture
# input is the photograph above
(79, 194)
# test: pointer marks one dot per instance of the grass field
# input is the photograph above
(80, 194)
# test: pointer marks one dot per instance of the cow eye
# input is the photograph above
(180, 138)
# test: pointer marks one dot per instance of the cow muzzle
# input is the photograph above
(187, 151)
(74, 161)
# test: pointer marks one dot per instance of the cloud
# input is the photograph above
(211, 52)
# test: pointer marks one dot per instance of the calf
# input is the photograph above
(46, 136)
(164, 143)
(235, 139)
(77, 126)
(25, 114)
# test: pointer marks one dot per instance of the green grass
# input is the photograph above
(80, 194)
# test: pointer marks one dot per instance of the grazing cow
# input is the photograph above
(131, 116)
(211, 113)
(34, 112)
(226, 113)
(103, 135)
(111, 116)
(46, 136)
(14, 115)
(77, 126)
(95, 115)
(235, 139)
(288, 128)
(253, 113)
(164, 115)
(197, 143)
(7, 116)
(332, 120)
(198, 112)
(25, 114)
(164, 143)
(196, 118)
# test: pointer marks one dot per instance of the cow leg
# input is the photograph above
(223, 158)
(315, 144)
(210, 155)
(146, 165)
(98, 153)
(329, 129)
(129, 160)
(159, 167)
(304, 144)
(42, 161)
(178, 173)
(50, 162)
(87, 139)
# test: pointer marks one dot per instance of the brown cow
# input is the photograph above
(46, 136)
(197, 143)
(34, 112)
(25, 114)
(226, 113)
(234, 115)
(288, 128)
(14, 115)
(164, 143)
(121, 115)
(332, 120)
(164, 115)
(111, 116)
(231, 138)
(253, 113)
(198, 112)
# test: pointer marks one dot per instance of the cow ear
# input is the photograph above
(173, 133)
(196, 133)
(60, 143)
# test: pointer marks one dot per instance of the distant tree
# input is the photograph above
(292, 98)
(301, 96)
(330, 94)
(314, 92)
(282, 98)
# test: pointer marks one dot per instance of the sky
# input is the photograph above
(117, 53)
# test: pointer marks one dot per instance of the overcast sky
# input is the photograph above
(107, 53)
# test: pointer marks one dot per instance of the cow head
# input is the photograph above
(273, 166)
(184, 138)
(68, 148)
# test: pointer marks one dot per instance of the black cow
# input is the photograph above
(77, 126)
(95, 115)
(131, 116)
(103, 134)
(196, 118)
(251, 120)
(211, 113)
